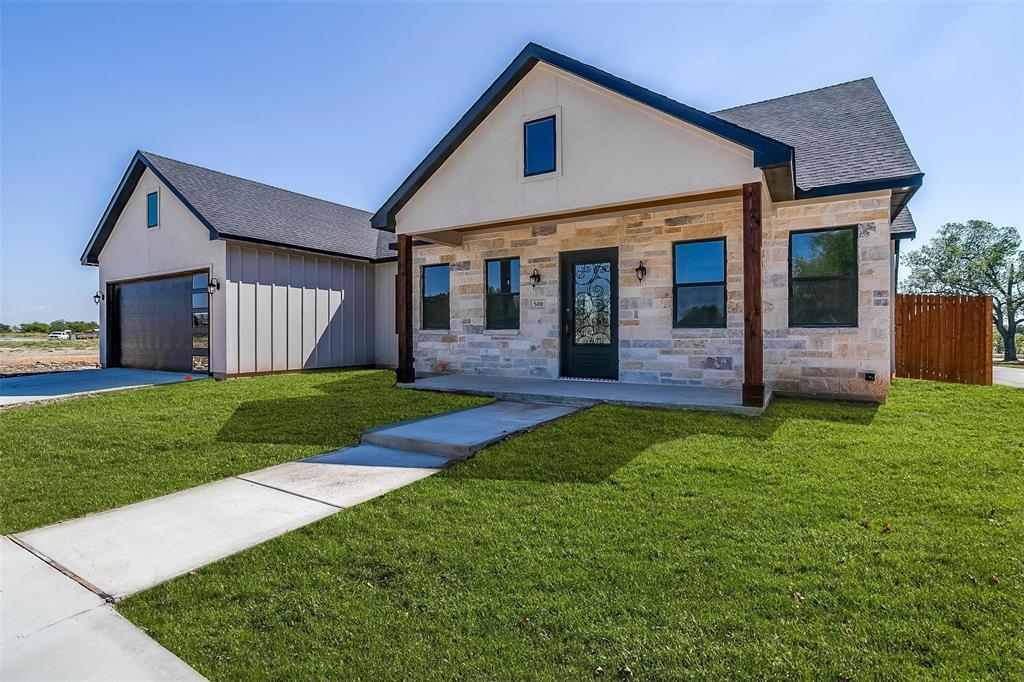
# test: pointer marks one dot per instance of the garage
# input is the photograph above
(160, 323)
(204, 272)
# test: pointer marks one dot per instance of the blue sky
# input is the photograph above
(340, 101)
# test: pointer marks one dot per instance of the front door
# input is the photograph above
(590, 313)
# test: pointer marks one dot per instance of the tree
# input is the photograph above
(4, 328)
(33, 327)
(975, 258)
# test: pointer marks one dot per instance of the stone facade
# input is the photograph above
(811, 361)
(830, 362)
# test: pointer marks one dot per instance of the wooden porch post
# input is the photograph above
(403, 310)
(753, 331)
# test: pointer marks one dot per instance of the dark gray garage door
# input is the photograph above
(157, 322)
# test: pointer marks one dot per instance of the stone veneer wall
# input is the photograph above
(830, 362)
(812, 361)
(650, 350)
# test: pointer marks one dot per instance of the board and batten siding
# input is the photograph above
(288, 310)
(387, 332)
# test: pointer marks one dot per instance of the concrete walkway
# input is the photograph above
(57, 385)
(58, 581)
(52, 628)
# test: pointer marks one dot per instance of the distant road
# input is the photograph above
(1008, 376)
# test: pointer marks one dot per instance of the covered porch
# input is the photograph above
(646, 352)
(586, 393)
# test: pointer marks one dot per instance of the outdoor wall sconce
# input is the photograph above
(641, 272)
(535, 278)
(213, 285)
(97, 297)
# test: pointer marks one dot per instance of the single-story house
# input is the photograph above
(571, 225)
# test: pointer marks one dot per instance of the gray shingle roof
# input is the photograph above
(841, 133)
(245, 209)
(904, 225)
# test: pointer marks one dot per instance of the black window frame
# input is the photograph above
(510, 293)
(855, 290)
(554, 146)
(676, 324)
(156, 218)
(423, 297)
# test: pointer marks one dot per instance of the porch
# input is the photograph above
(586, 393)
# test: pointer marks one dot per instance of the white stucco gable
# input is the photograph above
(611, 150)
(178, 242)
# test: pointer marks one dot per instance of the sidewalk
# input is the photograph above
(59, 582)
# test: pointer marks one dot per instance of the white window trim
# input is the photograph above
(159, 207)
(559, 157)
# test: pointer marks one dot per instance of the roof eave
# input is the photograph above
(904, 181)
(767, 151)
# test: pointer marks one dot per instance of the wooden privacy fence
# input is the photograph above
(944, 338)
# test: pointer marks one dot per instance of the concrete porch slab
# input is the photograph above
(350, 476)
(585, 393)
(125, 550)
(458, 435)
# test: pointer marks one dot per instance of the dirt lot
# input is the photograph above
(31, 354)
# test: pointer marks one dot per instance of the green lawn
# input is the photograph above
(823, 541)
(65, 459)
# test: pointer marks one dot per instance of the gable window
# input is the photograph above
(699, 275)
(152, 209)
(539, 146)
(503, 293)
(823, 278)
(436, 310)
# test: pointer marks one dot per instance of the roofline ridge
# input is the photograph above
(255, 182)
(795, 94)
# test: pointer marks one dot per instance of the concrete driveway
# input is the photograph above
(32, 388)
(1008, 376)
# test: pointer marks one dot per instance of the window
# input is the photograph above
(503, 293)
(200, 323)
(152, 209)
(436, 312)
(699, 268)
(539, 146)
(823, 278)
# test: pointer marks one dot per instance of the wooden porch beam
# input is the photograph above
(403, 310)
(753, 326)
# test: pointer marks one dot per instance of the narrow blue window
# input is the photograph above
(151, 209)
(539, 146)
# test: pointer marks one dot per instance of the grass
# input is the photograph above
(65, 459)
(43, 343)
(824, 541)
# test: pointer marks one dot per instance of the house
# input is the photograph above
(575, 225)
(209, 273)
(571, 225)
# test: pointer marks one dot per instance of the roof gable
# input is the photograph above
(236, 208)
(768, 153)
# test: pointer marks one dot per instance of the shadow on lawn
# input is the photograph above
(591, 445)
(336, 417)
